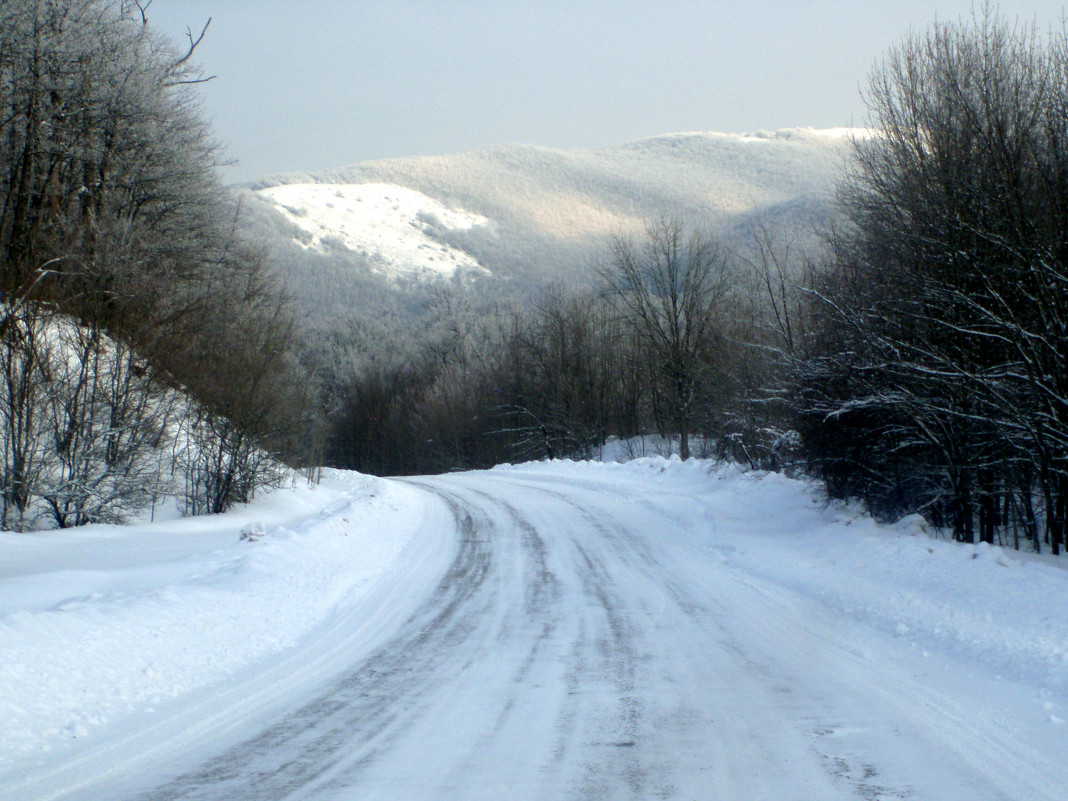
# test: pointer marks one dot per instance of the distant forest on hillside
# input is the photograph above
(905, 343)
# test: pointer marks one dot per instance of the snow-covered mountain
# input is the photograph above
(520, 215)
(390, 226)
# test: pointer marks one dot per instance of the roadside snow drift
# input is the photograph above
(1003, 609)
(104, 622)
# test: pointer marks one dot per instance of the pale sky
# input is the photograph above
(304, 86)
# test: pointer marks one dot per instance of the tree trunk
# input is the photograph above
(988, 510)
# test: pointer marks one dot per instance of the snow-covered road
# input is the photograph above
(596, 632)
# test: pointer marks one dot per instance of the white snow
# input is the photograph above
(984, 604)
(104, 622)
(392, 226)
(845, 133)
(781, 134)
(879, 640)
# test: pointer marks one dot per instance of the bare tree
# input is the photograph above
(120, 264)
(671, 288)
(245, 402)
(945, 320)
(25, 358)
(567, 381)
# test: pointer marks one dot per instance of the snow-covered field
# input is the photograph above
(390, 225)
(654, 629)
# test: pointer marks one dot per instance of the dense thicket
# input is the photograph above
(122, 277)
(936, 380)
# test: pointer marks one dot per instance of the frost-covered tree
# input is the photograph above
(939, 381)
(114, 224)
(671, 288)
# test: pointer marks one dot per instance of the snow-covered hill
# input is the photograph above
(391, 226)
(523, 216)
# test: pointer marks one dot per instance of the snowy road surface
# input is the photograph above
(648, 632)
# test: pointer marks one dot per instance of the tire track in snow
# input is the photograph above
(793, 680)
(575, 649)
(363, 712)
(700, 619)
(539, 612)
(329, 743)
(604, 729)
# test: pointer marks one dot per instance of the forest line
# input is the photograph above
(914, 358)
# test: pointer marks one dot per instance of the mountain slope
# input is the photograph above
(525, 214)
(366, 250)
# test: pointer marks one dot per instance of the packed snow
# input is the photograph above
(104, 623)
(648, 629)
(393, 227)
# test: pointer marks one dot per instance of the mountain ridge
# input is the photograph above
(542, 215)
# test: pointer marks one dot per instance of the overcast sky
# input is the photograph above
(311, 85)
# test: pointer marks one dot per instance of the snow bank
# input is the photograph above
(103, 621)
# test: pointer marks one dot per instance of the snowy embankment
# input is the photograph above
(104, 627)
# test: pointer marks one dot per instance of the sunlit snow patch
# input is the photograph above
(793, 133)
(391, 225)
